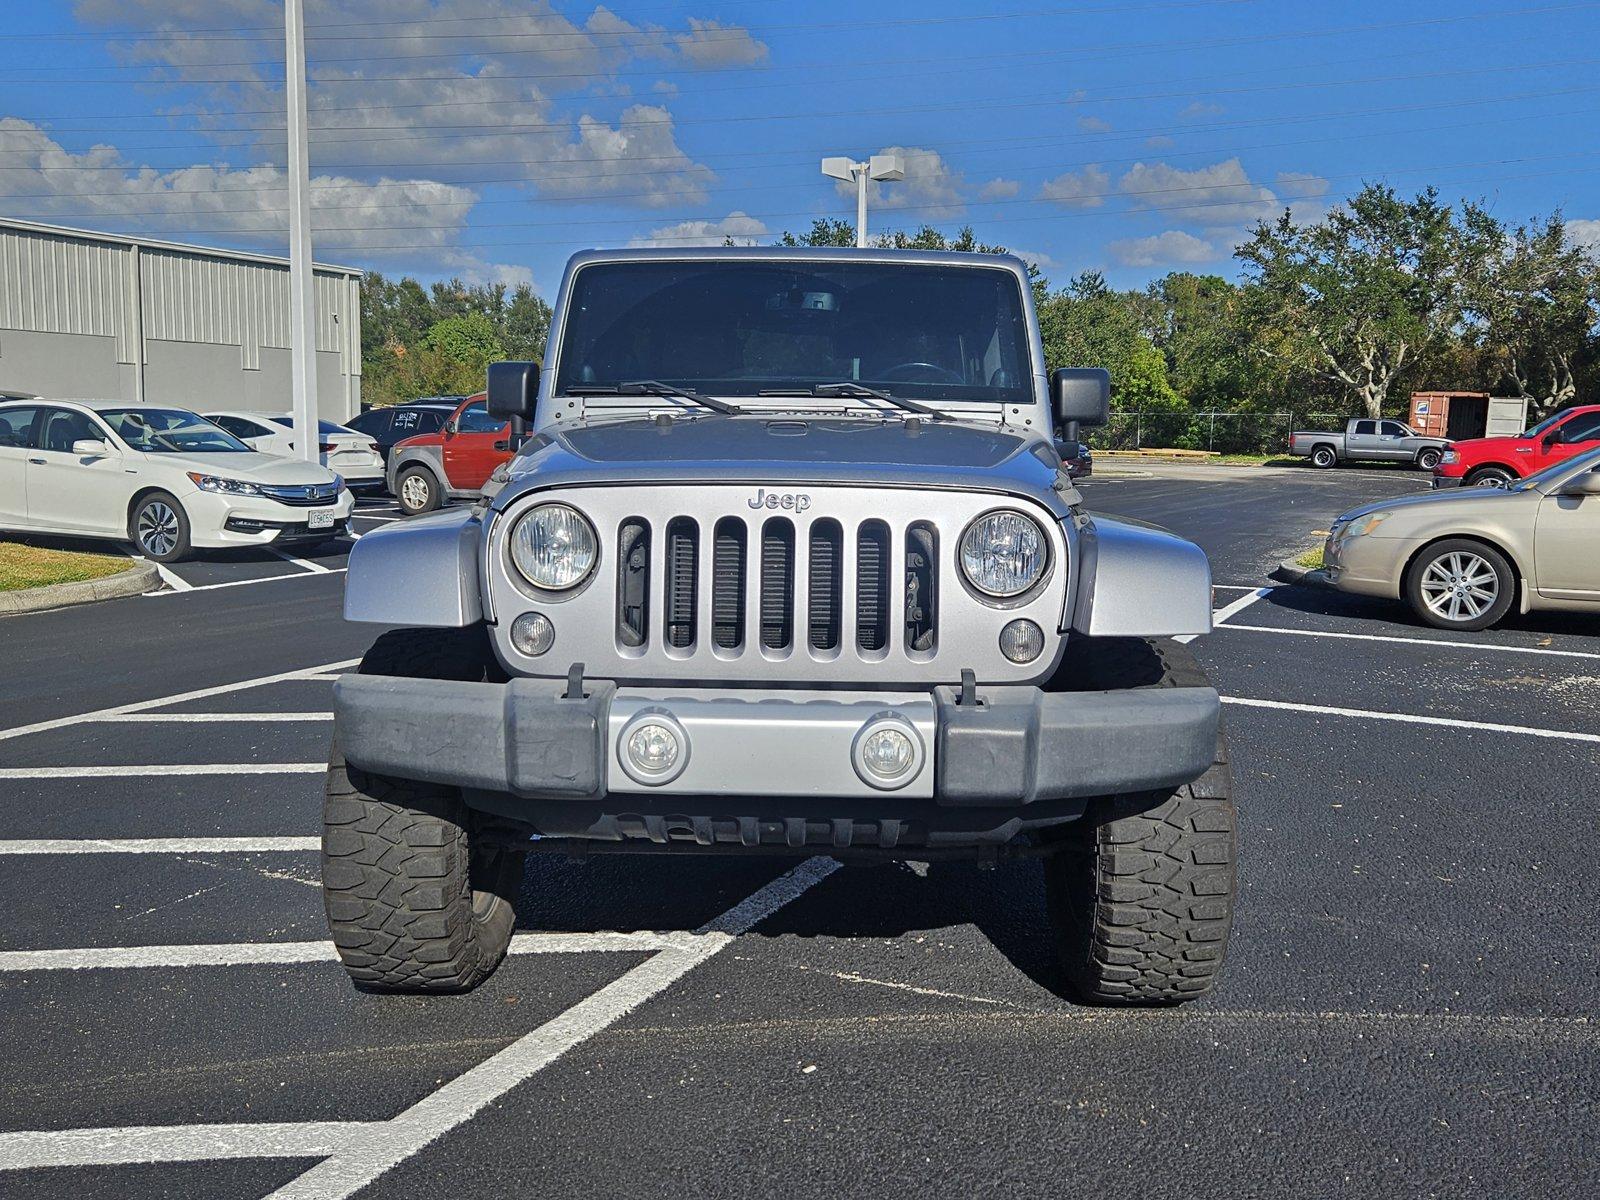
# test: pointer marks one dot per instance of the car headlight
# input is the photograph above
(228, 487)
(1366, 524)
(338, 484)
(1450, 456)
(554, 547)
(1004, 553)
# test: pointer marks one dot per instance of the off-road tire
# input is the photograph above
(425, 478)
(412, 905)
(1324, 457)
(1141, 890)
(1427, 460)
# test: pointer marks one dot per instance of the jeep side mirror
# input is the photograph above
(513, 390)
(1081, 394)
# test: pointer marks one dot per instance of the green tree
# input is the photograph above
(1088, 324)
(1360, 294)
(526, 325)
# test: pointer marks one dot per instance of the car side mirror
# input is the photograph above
(513, 390)
(1587, 484)
(1081, 394)
(91, 448)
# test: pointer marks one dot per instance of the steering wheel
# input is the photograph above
(949, 376)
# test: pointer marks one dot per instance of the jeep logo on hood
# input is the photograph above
(794, 501)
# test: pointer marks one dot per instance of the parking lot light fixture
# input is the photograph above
(882, 167)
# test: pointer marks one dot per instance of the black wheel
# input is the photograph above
(159, 527)
(413, 904)
(1461, 584)
(1497, 477)
(1428, 459)
(1324, 457)
(417, 491)
(1141, 890)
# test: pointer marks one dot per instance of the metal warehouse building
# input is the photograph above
(96, 315)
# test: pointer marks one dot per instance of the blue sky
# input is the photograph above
(491, 138)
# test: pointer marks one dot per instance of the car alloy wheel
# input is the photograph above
(1323, 457)
(1460, 586)
(414, 492)
(1428, 460)
(157, 528)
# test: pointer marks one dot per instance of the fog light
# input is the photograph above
(887, 752)
(1022, 641)
(655, 749)
(532, 634)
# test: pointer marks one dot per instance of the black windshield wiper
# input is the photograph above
(861, 391)
(653, 387)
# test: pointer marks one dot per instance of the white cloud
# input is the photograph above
(1160, 142)
(999, 189)
(1037, 257)
(713, 44)
(1585, 232)
(1200, 109)
(930, 183)
(1173, 246)
(1301, 184)
(742, 228)
(1078, 189)
(1094, 125)
(1219, 195)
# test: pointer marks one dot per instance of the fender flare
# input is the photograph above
(1137, 580)
(420, 572)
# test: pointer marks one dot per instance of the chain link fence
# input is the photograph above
(1214, 432)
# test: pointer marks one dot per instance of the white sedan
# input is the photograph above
(353, 455)
(163, 478)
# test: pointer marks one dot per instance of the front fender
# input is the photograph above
(418, 572)
(1139, 581)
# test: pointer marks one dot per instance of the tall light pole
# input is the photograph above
(882, 167)
(302, 283)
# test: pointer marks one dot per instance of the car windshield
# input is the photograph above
(1542, 426)
(323, 427)
(170, 431)
(743, 328)
(1567, 466)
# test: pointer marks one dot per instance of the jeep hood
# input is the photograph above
(791, 450)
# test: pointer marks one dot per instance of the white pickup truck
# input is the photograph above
(1366, 440)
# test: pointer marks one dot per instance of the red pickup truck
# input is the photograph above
(452, 464)
(1497, 461)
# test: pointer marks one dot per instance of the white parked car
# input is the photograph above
(163, 478)
(353, 455)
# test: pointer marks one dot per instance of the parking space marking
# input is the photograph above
(175, 1143)
(248, 954)
(305, 564)
(360, 1151)
(1416, 641)
(196, 845)
(239, 583)
(222, 718)
(172, 579)
(1235, 607)
(138, 706)
(1326, 710)
(140, 770)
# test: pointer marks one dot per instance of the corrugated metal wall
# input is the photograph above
(53, 285)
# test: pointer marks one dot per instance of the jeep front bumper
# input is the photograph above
(1015, 747)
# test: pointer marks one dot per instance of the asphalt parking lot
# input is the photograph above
(1409, 1008)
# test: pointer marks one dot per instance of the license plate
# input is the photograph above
(320, 520)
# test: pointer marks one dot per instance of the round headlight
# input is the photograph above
(554, 547)
(1003, 553)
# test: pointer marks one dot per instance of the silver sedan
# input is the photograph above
(1463, 559)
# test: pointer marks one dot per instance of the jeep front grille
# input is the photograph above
(844, 585)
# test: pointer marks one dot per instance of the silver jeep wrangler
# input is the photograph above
(787, 563)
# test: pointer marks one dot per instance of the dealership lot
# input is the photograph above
(1409, 1008)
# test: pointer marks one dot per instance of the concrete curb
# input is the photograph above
(143, 577)
(1291, 572)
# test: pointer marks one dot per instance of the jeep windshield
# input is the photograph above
(751, 327)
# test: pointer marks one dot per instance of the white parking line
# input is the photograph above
(305, 564)
(361, 1151)
(138, 706)
(143, 770)
(247, 954)
(172, 579)
(1235, 607)
(191, 589)
(1416, 641)
(195, 845)
(1362, 714)
(222, 718)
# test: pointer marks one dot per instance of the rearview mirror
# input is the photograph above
(1081, 394)
(513, 390)
(91, 448)
(1587, 484)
